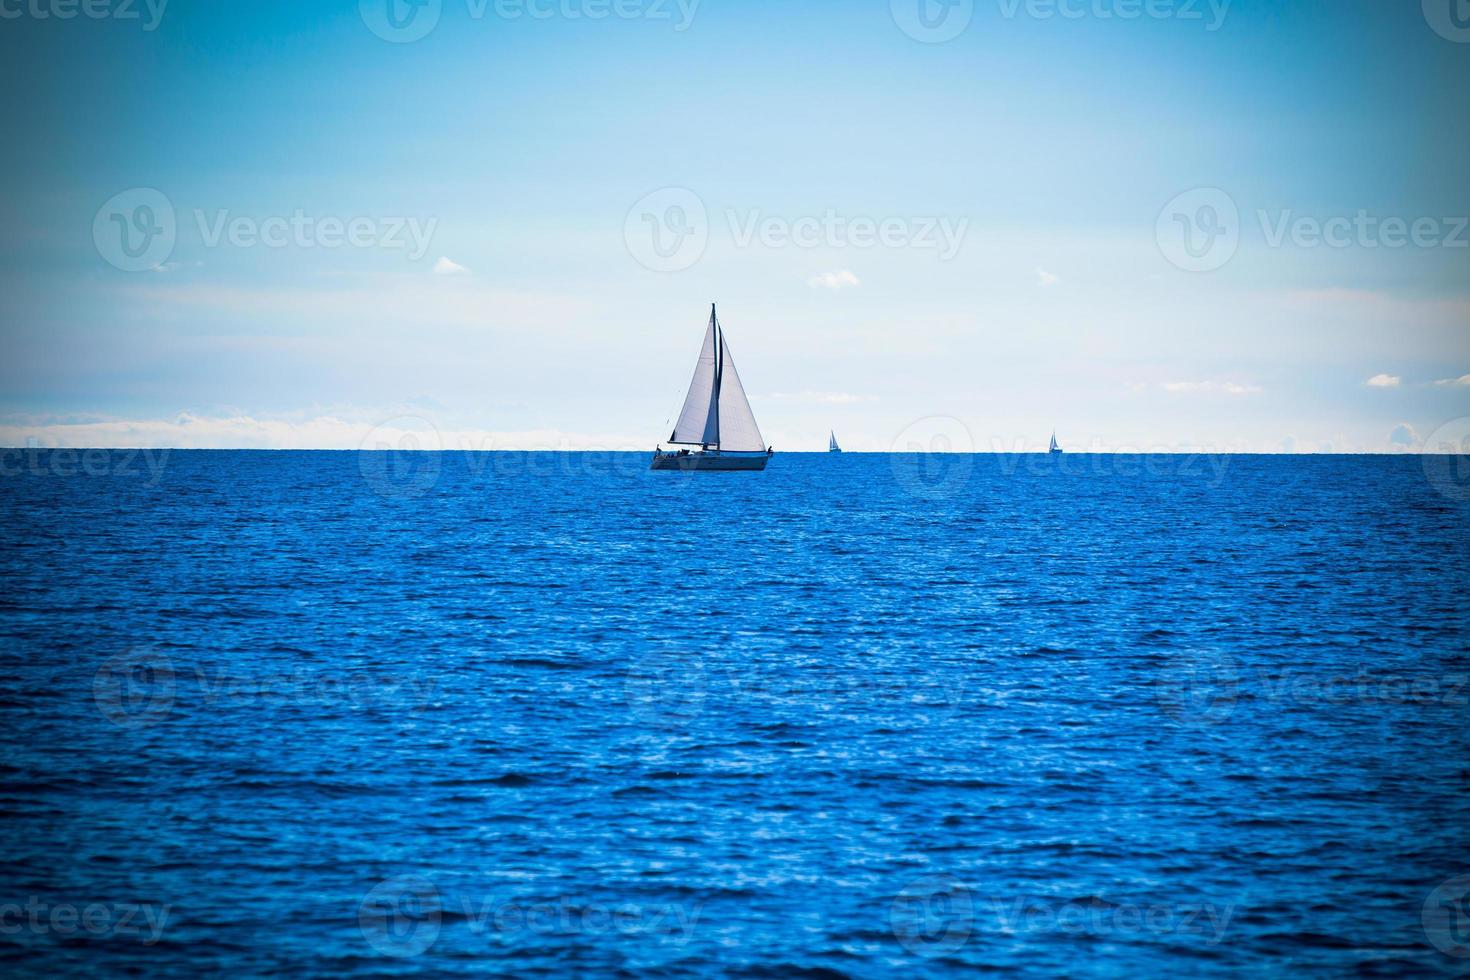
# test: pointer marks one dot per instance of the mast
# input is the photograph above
(719, 370)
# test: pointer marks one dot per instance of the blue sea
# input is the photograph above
(331, 713)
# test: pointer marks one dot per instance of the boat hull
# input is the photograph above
(708, 461)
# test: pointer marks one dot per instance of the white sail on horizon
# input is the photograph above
(716, 412)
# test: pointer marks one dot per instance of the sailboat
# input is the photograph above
(832, 446)
(716, 415)
(1055, 450)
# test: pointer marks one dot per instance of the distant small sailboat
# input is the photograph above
(716, 416)
(1055, 450)
(832, 446)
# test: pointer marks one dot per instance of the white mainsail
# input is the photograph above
(698, 422)
(716, 412)
(832, 446)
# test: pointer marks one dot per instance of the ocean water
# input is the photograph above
(861, 715)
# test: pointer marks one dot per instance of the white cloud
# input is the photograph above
(820, 397)
(1383, 381)
(1226, 387)
(1463, 379)
(1404, 435)
(446, 267)
(837, 279)
(1044, 278)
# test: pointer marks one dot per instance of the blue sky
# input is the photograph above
(1029, 171)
